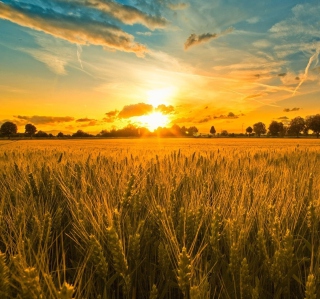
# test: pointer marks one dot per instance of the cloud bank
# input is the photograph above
(37, 120)
(77, 30)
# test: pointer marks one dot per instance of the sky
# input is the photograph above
(93, 65)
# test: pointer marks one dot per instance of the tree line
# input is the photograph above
(10, 129)
(296, 127)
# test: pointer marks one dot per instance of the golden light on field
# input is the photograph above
(160, 96)
(154, 120)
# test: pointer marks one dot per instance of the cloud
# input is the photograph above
(283, 118)
(204, 120)
(290, 110)
(252, 96)
(147, 33)
(178, 6)
(82, 120)
(37, 120)
(125, 13)
(135, 110)
(90, 123)
(75, 29)
(282, 74)
(112, 113)
(262, 43)
(194, 39)
(165, 109)
(253, 20)
(55, 63)
(230, 115)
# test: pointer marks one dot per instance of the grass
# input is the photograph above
(160, 219)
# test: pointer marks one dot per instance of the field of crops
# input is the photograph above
(160, 218)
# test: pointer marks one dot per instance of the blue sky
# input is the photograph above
(75, 64)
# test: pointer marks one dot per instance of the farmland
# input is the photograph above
(160, 218)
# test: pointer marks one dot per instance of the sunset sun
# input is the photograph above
(154, 120)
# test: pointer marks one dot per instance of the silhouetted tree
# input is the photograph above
(275, 128)
(80, 133)
(249, 131)
(213, 130)
(224, 133)
(259, 128)
(313, 123)
(193, 130)
(60, 135)
(8, 128)
(30, 130)
(41, 134)
(296, 126)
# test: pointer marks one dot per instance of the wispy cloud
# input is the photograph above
(37, 120)
(78, 30)
(291, 110)
(55, 63)
(194, 39)
(79, 51)
(83, 120)
(178, 6)
(253, 20)
(125, 13)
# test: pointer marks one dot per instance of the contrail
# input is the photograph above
(79, 51)
(315, 57)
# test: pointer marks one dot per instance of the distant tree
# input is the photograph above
(80, 133)
(259, 128)
(8, 128)
(41, 134)
(193, 130)
(296, 126)
(313, 123)
(224, 133)
(213, 130)
(60, 135)
(275, 128)
(249, 131)
(30, 130)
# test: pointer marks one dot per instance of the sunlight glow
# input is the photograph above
(154, 120)
(157, 97)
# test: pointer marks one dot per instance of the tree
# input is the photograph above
(259, 128)
(275, 128)
(296, 126)
(60, 135)
(41, 134)
(30, 129)
(212, 130)
(313, 123)
(193, 130)
(224, 133)
(249, 130)
(8, 128)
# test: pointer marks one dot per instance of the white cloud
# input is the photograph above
(253, 20)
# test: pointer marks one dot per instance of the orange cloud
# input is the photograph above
(165, 109)
(135, 110)
(37, 120)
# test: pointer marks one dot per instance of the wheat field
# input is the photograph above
(160, 218)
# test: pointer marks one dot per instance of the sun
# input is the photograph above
(154, 120)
